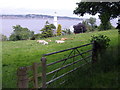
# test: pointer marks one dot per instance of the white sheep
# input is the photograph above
(42, 42)
(45, 43)
(59, 41)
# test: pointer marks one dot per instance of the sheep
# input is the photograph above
(42, 42)
(64, 39)
(59, 41)
(45, 43)
(49, 40)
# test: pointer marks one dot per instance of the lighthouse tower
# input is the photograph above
(55, 20)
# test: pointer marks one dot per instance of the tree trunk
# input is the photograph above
(105, 21)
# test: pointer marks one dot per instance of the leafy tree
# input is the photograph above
(107, 10)
(21, 33)
(59, 31)
(85, 22)
(92, 21)
(105, 25)
(91, 24)
(47, 31)
(66, 31)
(3, 37)
(36, 36)
(88, 27)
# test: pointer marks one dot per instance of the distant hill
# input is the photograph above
(36, 16)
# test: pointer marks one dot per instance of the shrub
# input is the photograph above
(36, 36)
(102, 42)
(20, 33)
(47, 31)
(90, 24)
(79, 28)
(3, 37)
(105, 26)
(59, 31)
(66, 31)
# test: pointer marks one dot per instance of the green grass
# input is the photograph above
(0, 65)
(104, 74)
(23, 53)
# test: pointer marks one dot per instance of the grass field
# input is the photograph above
(103, 74)
(23, 53)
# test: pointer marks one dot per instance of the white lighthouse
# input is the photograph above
(55, 20)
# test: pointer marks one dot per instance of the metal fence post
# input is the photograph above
(22, 77)
(43, 59)
(94, 53)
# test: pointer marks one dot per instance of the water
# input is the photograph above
(6, 25)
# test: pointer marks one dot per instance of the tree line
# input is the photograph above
(106, 10)
(20, 33)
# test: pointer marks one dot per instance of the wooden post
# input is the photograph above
(43, 59)
(94, 53)
(22, 78)
(35, 75)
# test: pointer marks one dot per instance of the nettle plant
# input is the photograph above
(102, 41)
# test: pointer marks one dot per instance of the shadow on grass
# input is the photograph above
(103, 74)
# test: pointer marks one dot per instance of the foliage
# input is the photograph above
(90, 24)
(98, 7)
(118, 26)
(59, 31)
(107, 10)
(79, 28)
(101, 41)
(105, 26)
(105, 23)
(92, 21)
(88, 27)
(36, 36)
(66, 31)
(47, 31)
(20, 33)
(85, 22)
(3, 37)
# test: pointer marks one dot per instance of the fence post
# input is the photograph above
(35, 75)
(22, 77)
(94, 53)
(43, 59)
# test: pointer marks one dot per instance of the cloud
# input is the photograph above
(62, 7)
(39, 4)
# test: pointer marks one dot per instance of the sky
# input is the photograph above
(46, 7)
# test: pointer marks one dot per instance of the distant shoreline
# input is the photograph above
(36, 16)
(39, 18)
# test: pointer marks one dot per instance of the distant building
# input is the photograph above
(55, 20)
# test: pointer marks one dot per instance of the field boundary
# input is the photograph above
(23, 79)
